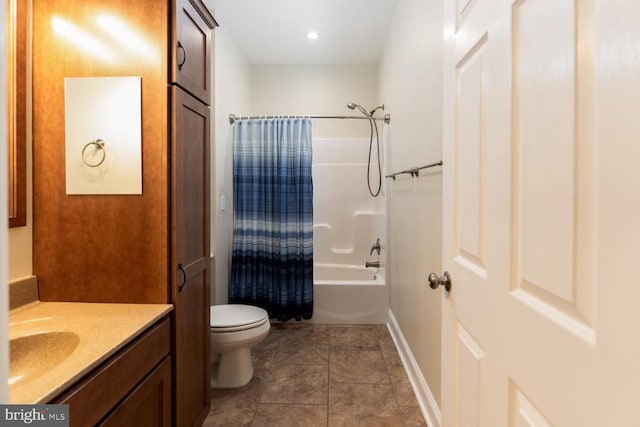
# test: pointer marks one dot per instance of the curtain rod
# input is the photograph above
(414, 171)
(233, 117)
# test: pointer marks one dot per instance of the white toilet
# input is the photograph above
(235, 328)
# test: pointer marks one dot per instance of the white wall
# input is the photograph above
(232, 75)
(317, 89)
(411, 88)
(346, 219)
(21, 238)
(4, 273)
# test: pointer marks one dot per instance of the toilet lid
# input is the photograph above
(236, 316)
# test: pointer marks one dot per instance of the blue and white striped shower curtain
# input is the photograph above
(272, 258)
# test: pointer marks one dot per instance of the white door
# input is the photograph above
(542, 213)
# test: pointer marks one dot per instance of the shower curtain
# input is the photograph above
(272, 257)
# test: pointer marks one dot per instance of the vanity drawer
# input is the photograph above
(96, 395)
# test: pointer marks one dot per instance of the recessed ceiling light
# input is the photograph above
(312, 35)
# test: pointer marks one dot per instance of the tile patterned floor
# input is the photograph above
(321, 375)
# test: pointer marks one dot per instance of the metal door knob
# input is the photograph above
(445, 280)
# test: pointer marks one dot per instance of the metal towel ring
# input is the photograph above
(99, 144)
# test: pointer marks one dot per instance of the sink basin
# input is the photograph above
(33, 355)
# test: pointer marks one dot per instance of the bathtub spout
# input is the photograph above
(374, 264)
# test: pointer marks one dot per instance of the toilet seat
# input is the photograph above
(236, 317)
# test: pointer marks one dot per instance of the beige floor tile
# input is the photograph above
(390, 353)
(298, 381)
(382, 330)
(271, 341)
(217, 421)
(297, 384)
(404, 394)
(412, 417)
(397, 373)
(384, 337)
(365, 421)
(303, 355)
(263, 359)
(235, 407)
(357, 367)
(299, 336)
(349, 402)
(290, 415)
(354, 338)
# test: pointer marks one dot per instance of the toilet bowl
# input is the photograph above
(235, 328)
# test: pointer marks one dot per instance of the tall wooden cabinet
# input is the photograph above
(190, 173)
(151, 247)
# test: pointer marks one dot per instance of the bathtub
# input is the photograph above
(349, 294)
(347, 221)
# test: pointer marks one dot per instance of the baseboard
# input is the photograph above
(427, 402)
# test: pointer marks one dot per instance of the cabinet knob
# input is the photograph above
(181, 56)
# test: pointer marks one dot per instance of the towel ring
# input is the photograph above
(99, 145)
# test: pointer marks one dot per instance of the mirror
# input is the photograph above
(17, 110)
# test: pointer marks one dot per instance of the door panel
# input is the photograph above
(549, 136)
(534, 328)
(470, 361)
(543, 140)
(192, 276)
(470, 168)
(524, 413)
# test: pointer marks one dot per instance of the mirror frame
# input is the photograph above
(17, 110)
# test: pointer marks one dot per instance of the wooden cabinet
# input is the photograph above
(149, 405)
(137, 377)
(190, 178)
(146, 248)
(191, 148)
(191, 61)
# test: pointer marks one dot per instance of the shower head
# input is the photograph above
(353, 106)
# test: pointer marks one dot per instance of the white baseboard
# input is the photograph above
(427, 402)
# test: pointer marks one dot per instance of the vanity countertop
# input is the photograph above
(79, 336)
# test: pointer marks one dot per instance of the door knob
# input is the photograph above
(445, 280)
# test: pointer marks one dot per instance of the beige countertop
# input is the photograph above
(71, 339)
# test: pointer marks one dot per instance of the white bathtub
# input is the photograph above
(349, 294)
(347, 221)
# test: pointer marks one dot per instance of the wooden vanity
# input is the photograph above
(132, 388)
(111, 363)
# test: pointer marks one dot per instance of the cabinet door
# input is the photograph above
(95, 396)
(191, 64)
(149, 405)
(192, 262)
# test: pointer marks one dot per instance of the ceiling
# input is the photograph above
(274, 31)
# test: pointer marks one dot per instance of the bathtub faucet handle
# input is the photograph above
(375, 247)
